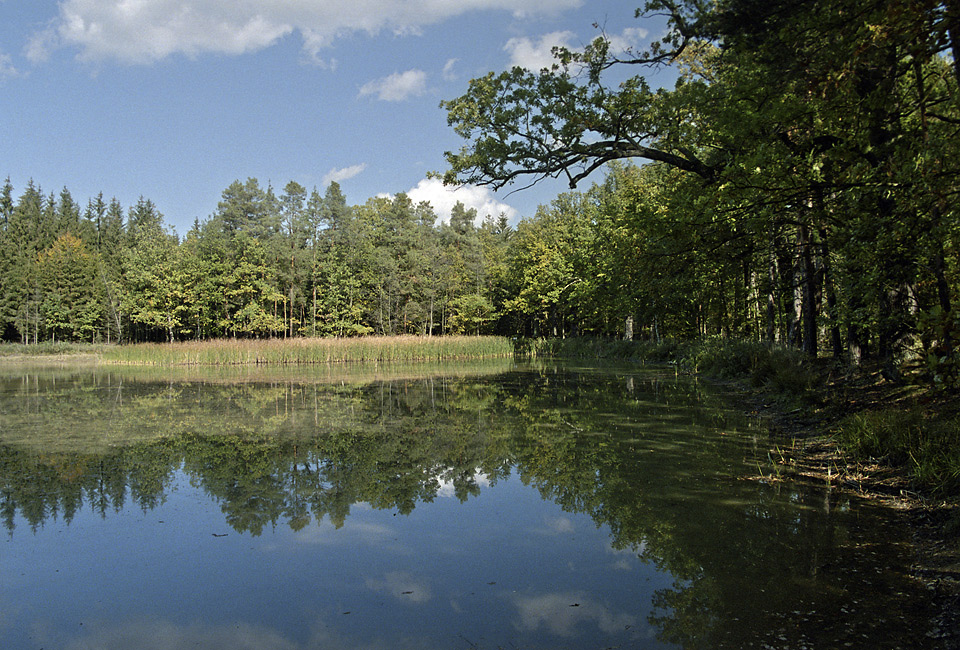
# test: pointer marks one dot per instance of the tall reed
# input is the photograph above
(225, 352)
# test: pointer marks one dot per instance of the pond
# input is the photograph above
(477, 506)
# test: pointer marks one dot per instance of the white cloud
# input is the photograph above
(561, 525)
(157, 634)
(448, 73)
(164, 635)
(150, 30)
(527, 8)
(39, 45)
(443, 198)
(351, 533)
(341, 174)
(142, 31)
(553, 526)
(628, 39)
(7, 70)
(397, 87)
(402, 586)
(536, 55)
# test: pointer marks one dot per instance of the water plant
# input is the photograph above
(310, 350)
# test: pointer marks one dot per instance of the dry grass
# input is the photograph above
(304, 351)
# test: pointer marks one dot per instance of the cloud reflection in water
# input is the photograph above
(562, 613)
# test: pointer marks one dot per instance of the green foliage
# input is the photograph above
(568, 128)
(71, 305)
(302, 264)
(546, 266)
(154, 293)
(942, 360)
(784, 373)
(471, 314)
(799, 200)
(802, 202)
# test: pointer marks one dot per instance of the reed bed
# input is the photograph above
(306, 351)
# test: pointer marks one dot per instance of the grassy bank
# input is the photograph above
(48, 349)
(923, 441)
(910, 426)
(228, 352)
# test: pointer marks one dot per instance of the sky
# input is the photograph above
(173, 100)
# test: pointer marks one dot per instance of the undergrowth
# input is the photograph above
(924, 443)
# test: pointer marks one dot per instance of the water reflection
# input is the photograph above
(527, 507)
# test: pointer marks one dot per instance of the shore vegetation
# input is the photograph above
(226, 352)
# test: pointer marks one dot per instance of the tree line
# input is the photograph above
(800, 180)
(298, 264)
(798, 185)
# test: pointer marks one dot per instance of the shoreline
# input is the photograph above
(810, 455)
(91, 358)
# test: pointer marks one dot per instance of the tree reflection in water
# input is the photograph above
(655, 460)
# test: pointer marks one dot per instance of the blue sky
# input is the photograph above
(173, 100)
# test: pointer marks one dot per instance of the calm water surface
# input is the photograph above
(490, 506)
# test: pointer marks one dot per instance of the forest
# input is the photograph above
(263, 265)
(796, 185)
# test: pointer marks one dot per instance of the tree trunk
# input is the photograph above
(772, 298)
(809, 294)
(794, 330)
(836, 339)
(430, 332)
